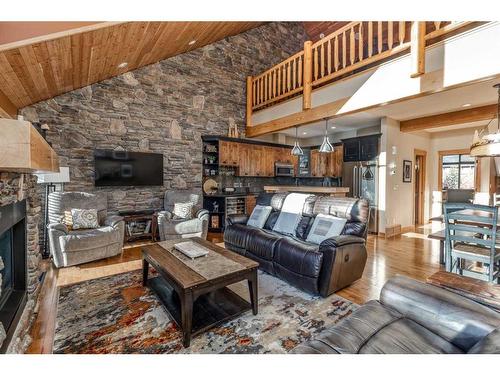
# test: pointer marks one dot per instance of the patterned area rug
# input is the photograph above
(117, 314)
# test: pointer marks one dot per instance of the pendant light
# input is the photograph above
(487, 144)
(326, 146)
(296, 150)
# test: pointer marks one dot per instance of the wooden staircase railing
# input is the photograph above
(355, 46)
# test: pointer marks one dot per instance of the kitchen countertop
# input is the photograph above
(236, 194)
(338, 191)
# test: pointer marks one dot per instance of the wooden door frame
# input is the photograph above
(461, 151)
(423, 180)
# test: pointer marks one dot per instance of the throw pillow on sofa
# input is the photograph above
(84, 219)
(183, 210)
(325, 226)
(259, 216)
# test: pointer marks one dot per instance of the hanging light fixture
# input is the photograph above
(486, 143)
(326, 146)
(296, 150)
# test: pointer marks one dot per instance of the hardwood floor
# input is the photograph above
(410, 254)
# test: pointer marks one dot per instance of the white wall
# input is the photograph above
(396, 198)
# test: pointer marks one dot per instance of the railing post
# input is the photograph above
(417, 49)
(306, 94)
(249, 100)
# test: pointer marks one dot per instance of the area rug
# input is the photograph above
(117, 314)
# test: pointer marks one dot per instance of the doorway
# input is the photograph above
(420, 160)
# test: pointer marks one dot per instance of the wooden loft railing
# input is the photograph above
(355, 46)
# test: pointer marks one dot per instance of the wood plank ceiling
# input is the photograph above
(41, 68)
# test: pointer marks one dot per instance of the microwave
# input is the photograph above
(284, 170)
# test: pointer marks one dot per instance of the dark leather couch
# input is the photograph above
(412, 318)
(317, 269)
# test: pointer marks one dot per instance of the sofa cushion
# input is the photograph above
(259, 216)
(325, 226)
(300, 257)
(374, 328)
(404, 336)
(271, 220)
(304, 227)
(355, 228)
(85, 239)
(262, 243)
(277, 201)
(490, 344)
(352, 209)
(182, 226)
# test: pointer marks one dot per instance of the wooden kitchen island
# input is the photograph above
(332, 191)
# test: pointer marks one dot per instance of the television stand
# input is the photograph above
(140, 225)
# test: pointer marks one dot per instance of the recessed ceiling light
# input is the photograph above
(123, 65)
(466, 105)
(304, 133)
(333, 127)
(192, 42)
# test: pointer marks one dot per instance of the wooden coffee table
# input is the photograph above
(194, 292)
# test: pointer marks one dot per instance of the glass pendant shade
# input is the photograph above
(326, 146)
(485, 143)
(296, 150)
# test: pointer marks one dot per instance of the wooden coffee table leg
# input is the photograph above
(145, 269)
(253, 289)
(187, 317)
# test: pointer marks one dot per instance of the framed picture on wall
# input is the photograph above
(407, 171)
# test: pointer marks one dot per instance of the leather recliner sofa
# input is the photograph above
(318, 269)
(412, 318)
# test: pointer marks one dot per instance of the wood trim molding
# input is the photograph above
(299, 118)
(486, 112)
(423, 182)
(461, 151)
(7, 108)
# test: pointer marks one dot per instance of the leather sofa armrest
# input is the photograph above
(455, 318)
(341, 240)
(112, 220)
(236, 219)
(58, 227)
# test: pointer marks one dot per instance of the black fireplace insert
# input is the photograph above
(13, 294)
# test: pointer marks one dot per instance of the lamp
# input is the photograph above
(489, 143)
(326, 146)
(50, 180)
(296, 150)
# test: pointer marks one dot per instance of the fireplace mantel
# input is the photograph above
(23, 149)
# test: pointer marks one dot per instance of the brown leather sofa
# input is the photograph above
(318, 269)
(412, 318)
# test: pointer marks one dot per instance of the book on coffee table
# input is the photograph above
(191, 249)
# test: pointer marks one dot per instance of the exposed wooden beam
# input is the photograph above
(417, 49)
(300, 118)
(249, 100)
(7, 109)
(450, 118)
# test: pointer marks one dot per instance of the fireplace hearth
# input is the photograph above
(13, 267)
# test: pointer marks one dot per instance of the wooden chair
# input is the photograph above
(471, 237)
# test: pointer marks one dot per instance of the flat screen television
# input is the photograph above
(124, 168)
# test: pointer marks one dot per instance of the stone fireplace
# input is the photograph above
(19, 288)
(13, 266)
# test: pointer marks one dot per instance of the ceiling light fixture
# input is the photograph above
(466, 105)
(192, 42)
(296, 150)
(326, 146)
(123, 65)
(333, 127)
(485, 143)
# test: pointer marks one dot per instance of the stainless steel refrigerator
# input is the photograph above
(361, 177)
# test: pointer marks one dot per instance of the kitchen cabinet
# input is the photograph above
(361, 148)
(250, 203)
(327, 164)
(229, 153)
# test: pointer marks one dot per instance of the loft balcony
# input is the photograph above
(321, 80)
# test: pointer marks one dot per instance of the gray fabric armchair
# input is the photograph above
(70, 247)
(171, 228)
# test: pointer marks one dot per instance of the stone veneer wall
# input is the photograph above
(15, 187)
(164, 108)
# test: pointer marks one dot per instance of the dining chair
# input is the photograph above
(471, 237)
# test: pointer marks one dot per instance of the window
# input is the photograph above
(458, 171)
